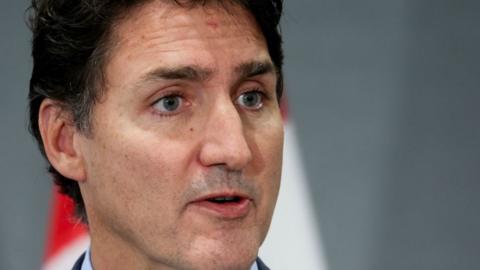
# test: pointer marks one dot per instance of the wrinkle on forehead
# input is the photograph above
(211, 15)
(157, 29)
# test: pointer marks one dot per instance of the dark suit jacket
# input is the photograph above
(78, 264)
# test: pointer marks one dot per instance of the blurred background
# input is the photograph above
(385, 97)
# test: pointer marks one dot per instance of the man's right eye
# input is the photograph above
(168, 104)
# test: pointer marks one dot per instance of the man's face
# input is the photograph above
(183, 164)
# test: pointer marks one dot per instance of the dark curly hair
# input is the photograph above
(69, 47)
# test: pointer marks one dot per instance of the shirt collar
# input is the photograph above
(87, 263)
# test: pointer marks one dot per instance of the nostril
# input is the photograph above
(233, 155)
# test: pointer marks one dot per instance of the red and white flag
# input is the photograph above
(67, 239)
(293, 241)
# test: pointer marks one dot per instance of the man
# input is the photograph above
(161, 120)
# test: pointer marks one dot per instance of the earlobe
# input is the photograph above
(59, 135)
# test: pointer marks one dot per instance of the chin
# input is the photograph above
(229, 254)
(229, 262)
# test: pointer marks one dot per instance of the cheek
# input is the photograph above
(267, 147)
(137, 173)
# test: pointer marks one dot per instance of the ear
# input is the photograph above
(60, 140)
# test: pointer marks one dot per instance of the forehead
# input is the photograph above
(169, 23)
(163, 11)
(162, 33)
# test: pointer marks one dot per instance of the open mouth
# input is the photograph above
(226, 199)
(224, 206)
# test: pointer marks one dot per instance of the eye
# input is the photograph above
(251, 100)
(168, 104)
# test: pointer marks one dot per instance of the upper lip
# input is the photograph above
(220, 194)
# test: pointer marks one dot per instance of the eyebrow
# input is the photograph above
(254, 68)
(189, 73)
(196, 73)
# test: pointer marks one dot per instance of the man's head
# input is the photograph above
(161, 119)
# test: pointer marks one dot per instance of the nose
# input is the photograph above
(224, 141)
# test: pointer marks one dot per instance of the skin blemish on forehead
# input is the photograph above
(212, 24)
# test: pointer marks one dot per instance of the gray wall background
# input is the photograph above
(385, 96)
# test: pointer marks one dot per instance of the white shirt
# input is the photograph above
(87, 263)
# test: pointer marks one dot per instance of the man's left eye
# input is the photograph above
(251, 100)
(168, 104)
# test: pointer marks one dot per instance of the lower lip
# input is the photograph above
(229, 210)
